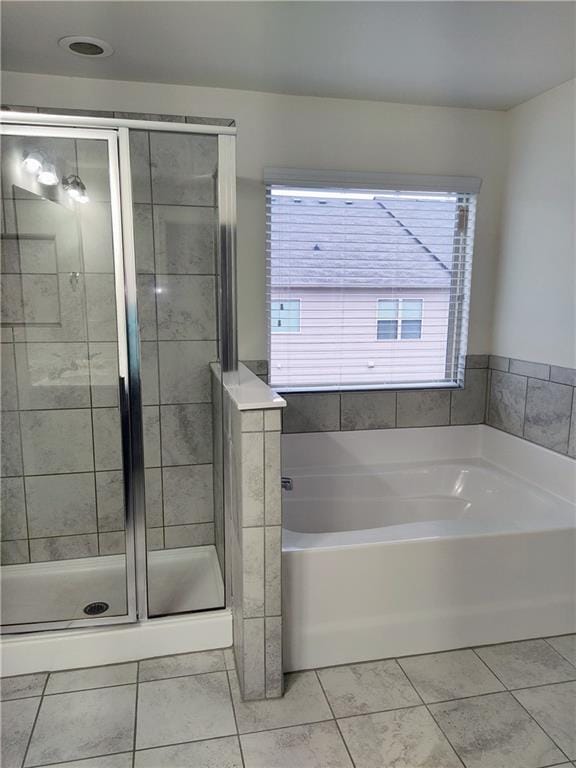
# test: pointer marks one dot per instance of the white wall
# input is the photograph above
(536, 281)
(308, 132)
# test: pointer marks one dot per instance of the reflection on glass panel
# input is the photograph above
(175, 214)
(63, 521)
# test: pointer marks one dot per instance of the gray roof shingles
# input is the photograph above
(361, 243)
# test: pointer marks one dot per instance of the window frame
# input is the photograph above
(466, 190)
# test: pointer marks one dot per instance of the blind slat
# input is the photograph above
(376, 284)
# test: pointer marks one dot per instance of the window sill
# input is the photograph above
(449, 385)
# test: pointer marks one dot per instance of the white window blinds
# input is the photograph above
(379, 270)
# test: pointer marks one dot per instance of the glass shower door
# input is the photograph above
(67, 552)
(176, 217)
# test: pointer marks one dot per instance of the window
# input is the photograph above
(383, 264)
(399, 319)
(285, 316)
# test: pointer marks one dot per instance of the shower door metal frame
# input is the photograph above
(118, 131)
(127, 337)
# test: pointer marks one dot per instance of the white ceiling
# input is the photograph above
(472, 54)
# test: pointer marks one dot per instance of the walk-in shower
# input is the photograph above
(117, 294)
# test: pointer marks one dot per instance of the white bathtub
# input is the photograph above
(421, 540)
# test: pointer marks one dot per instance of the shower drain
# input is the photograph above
(93, 609)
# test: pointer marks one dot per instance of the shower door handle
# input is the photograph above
(125, 436)
(134, 495)
(123, 405)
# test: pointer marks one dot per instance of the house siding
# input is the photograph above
(337, 342)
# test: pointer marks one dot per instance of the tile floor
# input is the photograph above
(503, 706)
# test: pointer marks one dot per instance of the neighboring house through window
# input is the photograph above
(368, 279)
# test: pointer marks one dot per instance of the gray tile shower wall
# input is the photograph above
(174, 222)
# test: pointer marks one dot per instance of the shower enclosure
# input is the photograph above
(117, 280)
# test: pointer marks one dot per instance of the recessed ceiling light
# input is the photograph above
(82, 45)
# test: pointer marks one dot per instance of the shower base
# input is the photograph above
(179, 581)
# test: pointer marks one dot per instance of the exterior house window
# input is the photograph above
(285, 316)
(353, 246)
(399, 319)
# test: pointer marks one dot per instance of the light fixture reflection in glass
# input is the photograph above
(48, 176)
(33, 162)
(76, 188)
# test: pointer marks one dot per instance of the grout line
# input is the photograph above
(157, 344)
(35, 720)
(86, 340)
(216, 671)
(511, 693)
(178, 677)
(487, 395)
(92, 435)
(292, 725)
(522, 687)
(90, 688)
(551, 637)
(335, 718)
(21, 443)
(525, 407)
(572, 420)
(82, 759)
(19, 411)
(264, 583)
(136, 714)
(532, 717)
(235, 718)
(443, 732)
(417, 692)
(543, 685)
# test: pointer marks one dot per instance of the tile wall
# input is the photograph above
(535, 401)
(62, 494)
(389, 409)
(175, 215)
